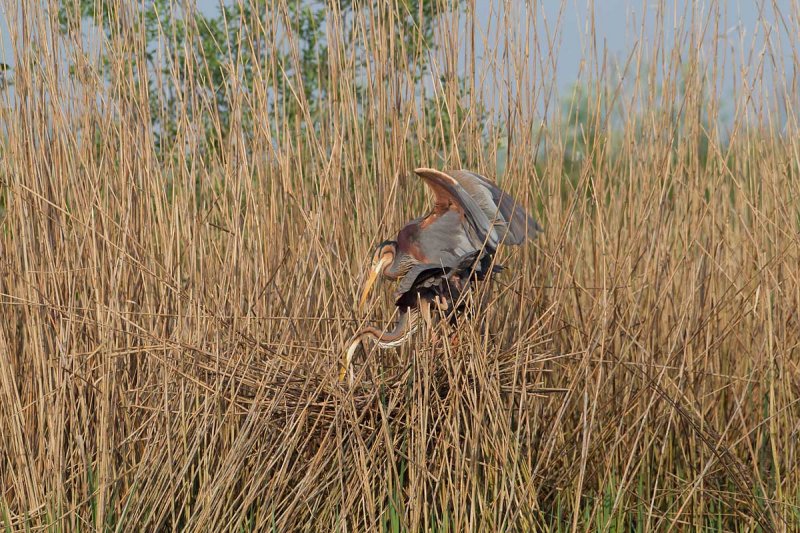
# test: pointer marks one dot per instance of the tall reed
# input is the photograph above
(180, 269)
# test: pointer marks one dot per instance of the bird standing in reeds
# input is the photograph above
(437, 257)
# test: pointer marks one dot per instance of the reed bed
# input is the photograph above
(179, 269)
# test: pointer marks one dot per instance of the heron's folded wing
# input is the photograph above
(436, 277)
(421, 276)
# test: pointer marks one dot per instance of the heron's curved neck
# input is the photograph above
(396, 268)
(406, 325)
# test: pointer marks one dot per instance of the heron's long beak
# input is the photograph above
(348, 359)
(373, 276)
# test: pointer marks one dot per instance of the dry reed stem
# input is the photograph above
(171, 324)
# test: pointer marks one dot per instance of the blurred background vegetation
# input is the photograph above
(204, 62)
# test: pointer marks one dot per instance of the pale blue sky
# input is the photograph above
(5, 43)
(617, 26)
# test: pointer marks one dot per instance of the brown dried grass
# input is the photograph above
(168, 355)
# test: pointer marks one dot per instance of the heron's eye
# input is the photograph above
(384, 252)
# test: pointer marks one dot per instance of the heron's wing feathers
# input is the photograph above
(449, 195)
(444, 239)
(427, 276)
(512, 224)
(422, 276)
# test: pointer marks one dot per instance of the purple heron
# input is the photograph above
(435, 257)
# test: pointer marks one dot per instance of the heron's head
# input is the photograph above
(381, 260)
